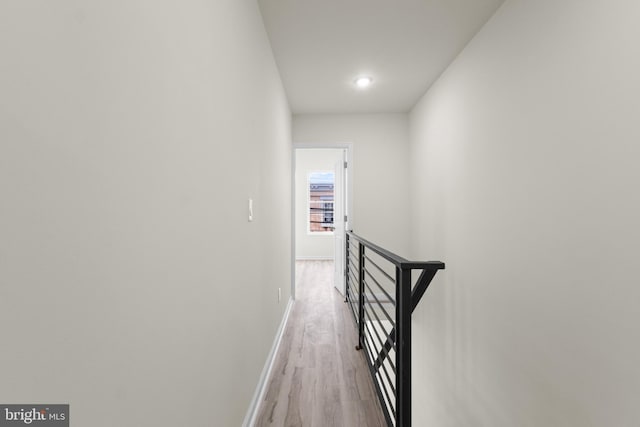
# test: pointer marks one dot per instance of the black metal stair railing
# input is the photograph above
(380, 294)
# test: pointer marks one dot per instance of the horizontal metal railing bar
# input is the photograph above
(391, 364)
(353, 304)
(423, 282)
(354, 293)
(386, 374)
(375, 330)
(386, 348)
(351, 290)
(355, 254)
(387, 275)
(393, 301)
(353, 264)
(384, 399)
(354, 312)
(383, 354)
(381, 397)
(353, 272)
(391, 403)
(397, 260)
(381, 381)
(393, 323)
(351, 276)
(353, 283)
(354, 288)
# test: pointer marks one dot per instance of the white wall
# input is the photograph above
(379, 170)
(132, 133)
(525, 164)
(312, 246)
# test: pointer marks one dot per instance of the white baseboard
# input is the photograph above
(314, 258)
(261, 389)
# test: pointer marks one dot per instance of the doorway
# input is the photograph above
(321, 206)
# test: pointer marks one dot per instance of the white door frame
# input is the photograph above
(348, 146)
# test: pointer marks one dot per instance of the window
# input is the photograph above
(321, 202)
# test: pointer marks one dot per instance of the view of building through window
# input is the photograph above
(321, 202)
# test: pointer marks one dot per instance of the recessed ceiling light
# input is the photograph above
(363, 81)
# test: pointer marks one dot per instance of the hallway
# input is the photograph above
(318, 378)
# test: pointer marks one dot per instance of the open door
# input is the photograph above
(339, 222)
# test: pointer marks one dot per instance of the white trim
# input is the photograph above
(261, 389)
(293, 224)
(314, 258)
(341, 145)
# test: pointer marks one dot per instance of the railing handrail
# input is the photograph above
(395, 259)
(396, 400)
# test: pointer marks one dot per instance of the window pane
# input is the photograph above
(321, 202)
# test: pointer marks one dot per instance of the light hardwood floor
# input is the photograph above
(318, 378)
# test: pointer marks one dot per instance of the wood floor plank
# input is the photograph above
(319, 379)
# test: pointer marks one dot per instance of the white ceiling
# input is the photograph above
(320, 47)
